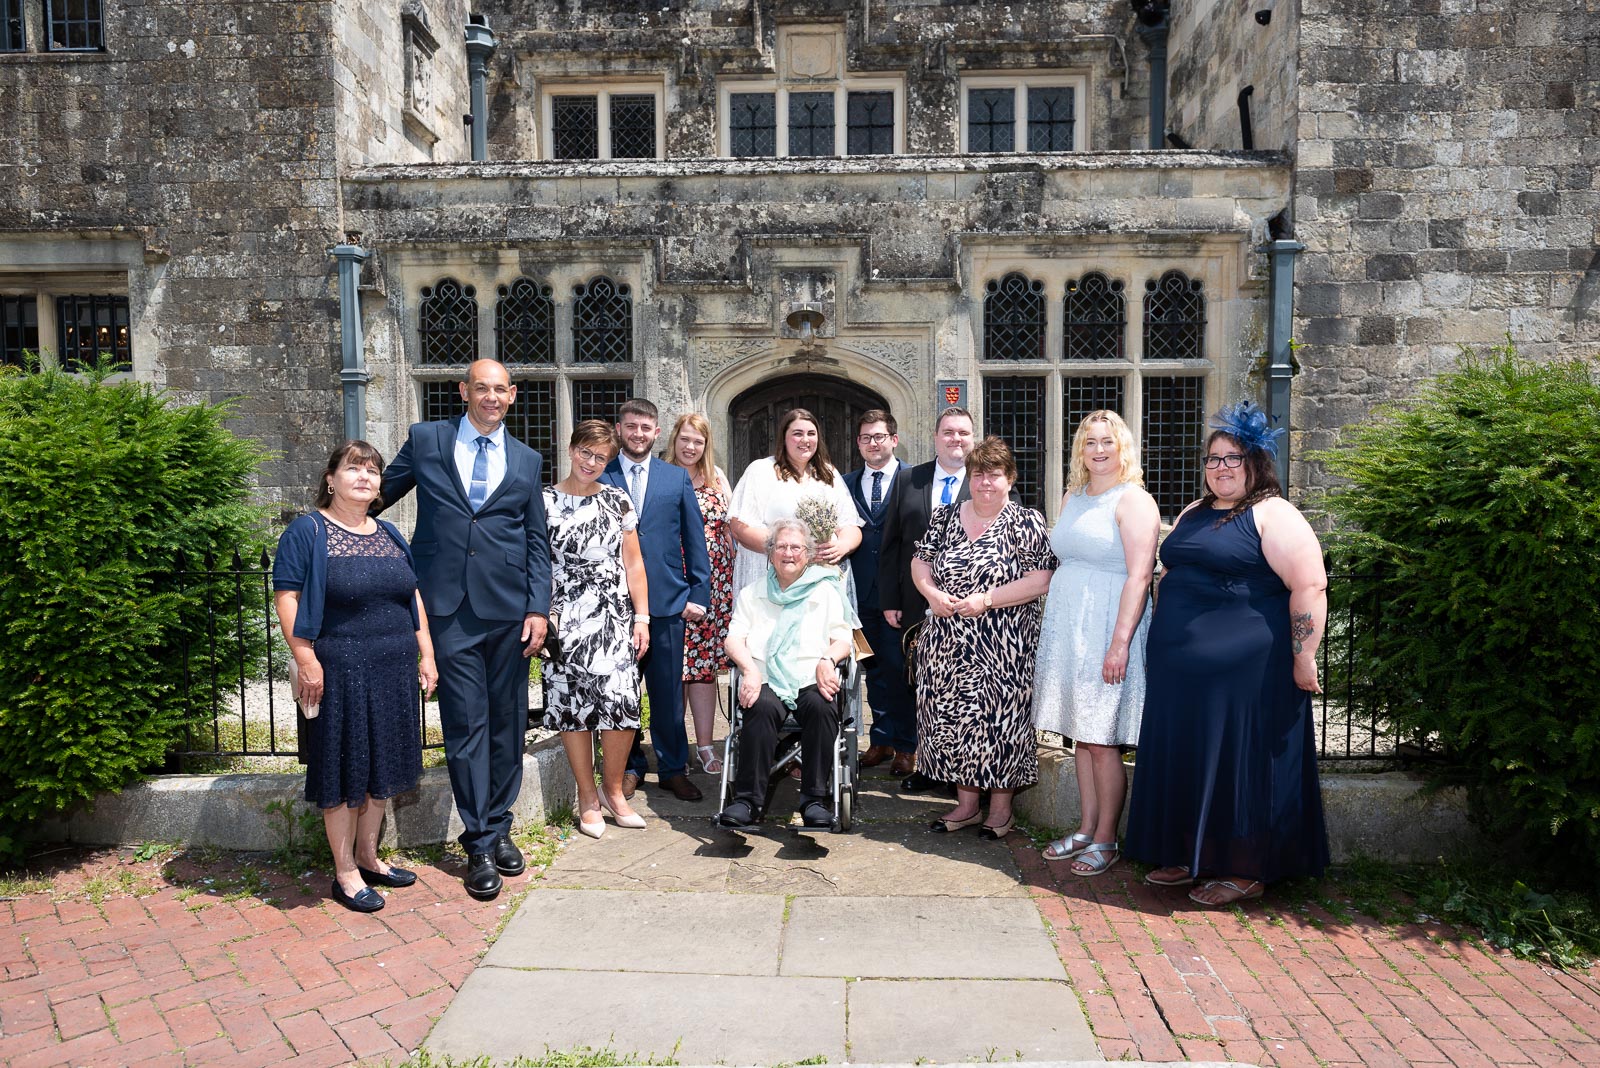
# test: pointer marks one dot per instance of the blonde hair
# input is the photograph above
(706, 469)
(1127, 451)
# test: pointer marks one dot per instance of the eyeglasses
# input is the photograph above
(1232, 459)
(789, 550)
(585, 455)
(872, 439)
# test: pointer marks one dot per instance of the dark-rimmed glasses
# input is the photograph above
(1230, 459)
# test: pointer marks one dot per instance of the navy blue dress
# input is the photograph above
(1226, 780)
(366, 741)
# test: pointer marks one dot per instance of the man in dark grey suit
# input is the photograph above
(483, 567)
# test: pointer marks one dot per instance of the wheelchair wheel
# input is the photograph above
(844, 813)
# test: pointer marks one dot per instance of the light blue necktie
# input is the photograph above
(478, 492)
(949, 490)
(634, 487)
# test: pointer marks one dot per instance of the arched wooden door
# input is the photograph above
(836, 402)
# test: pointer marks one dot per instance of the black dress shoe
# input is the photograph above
(739, 815)
(681, 787)
(482, 881)
(816, 814)
(918, 783)
(368, 900)
(507, 857)
(397, 877)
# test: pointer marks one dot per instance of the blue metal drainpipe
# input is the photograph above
(480, 46)
(1280, 354)
(352, 345)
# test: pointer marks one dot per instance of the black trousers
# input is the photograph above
(758, 744)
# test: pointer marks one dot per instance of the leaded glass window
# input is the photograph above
(753, 124)
(13, 32)
(633, 126)
(811, 124)
(525, 323)
(76, 25)
(1095, 317)
(91, 327)
(1013, 410)
(1174, 318)
(1174, 424)
(599, 398)
(19, 328)
(447, 323)
(575, 127)
(1050, 118)
(1013, 318)
(991, 120)
(531, 418)
(869, 119)
(602, 322)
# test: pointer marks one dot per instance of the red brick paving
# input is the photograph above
(156, 973)
(1161, 978)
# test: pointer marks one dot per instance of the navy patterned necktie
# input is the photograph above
(877, 490)
(478, 492)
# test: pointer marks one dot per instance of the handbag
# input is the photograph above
(909, 639)
(308, 711)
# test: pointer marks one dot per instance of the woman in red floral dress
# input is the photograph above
(689, 446)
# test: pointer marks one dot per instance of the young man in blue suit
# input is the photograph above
(672, 539)
(483, 566)
(894, 710)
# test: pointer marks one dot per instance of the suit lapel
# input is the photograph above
(516, 468)
(446, 444)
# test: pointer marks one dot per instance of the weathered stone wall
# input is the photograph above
(1446, 189)
(1216, 49)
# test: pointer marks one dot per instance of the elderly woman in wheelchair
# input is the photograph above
(787, 639)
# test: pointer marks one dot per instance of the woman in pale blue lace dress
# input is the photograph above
(1089, 684)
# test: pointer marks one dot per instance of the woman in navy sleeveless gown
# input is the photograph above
(1225, 791)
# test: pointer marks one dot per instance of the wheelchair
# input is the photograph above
(846, 749)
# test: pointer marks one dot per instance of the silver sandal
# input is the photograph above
(1067, 848)
(1104, 854)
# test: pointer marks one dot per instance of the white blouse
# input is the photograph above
(827, 619)
(762, 499)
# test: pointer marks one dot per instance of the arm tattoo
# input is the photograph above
(1301, 628)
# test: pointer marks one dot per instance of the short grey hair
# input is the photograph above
(781, 525)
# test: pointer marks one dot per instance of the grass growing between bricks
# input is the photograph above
(579, 1057)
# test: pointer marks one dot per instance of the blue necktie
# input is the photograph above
(949, 490)
(478, 492)
(877, 490)
(634, 488)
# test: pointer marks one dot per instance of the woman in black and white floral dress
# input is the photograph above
(599, 611)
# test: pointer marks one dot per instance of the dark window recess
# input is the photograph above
(1013, 319)
(602, 322)
(1174, 422)
(753, 124)
(75, 25)
(1174, 318)
(1095, 318)
(1013, 410)
(1080, 395)
(599, 398)
(869, 124)
(1050, 119)
(525, 323)
(810, 124)
(991, 120)
(633, 126)
(91, 327)
(531, 419)
(13, 31)
(575, 127)
(447, 323)
(19, 329)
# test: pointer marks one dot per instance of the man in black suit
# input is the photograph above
(942, 480)
(483, 567)
(894, 710)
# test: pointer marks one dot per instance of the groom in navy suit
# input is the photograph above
(677, 569)
(483, 567)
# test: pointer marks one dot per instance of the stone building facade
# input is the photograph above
(734, 205)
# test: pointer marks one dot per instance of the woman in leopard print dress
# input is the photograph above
(983, 566)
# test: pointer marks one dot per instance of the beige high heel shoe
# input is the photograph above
(632, 821)
(592, 830)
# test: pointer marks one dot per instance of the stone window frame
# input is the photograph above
(47, 290)
(1019, 82)
(602, 91)
(97, 23)
(1132, 368)
(841, 90)
(13, 26)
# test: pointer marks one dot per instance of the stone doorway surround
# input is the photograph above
(837, 403)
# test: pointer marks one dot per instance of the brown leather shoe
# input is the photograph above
(904, 764)
(630, 783)
(876, 755)
(682, 788)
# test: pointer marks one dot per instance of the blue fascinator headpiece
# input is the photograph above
(1249, 425)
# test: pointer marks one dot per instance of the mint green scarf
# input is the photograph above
(786, 682)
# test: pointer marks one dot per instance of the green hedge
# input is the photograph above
(103, 487)
(1477, 504)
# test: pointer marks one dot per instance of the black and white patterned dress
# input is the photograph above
(975, 674)
(596, 684)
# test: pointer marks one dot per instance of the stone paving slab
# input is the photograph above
(933, 938)
(967, 1019)
(729, 934)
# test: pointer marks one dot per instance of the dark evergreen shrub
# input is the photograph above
(1477, 504)
(103, 487)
